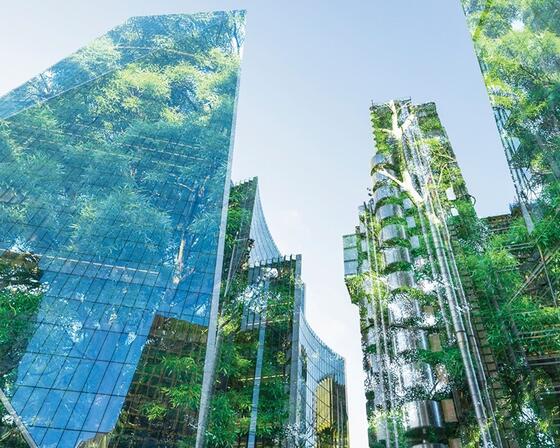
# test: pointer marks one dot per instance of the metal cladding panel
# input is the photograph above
(379, 178)
(405, 340)
(388, 211)
(408, 204)
(392, 231)
(415, 375)
(415, 241)
(395, 255)
(402, 310)
(400, 279)
(381, 429)
(379, 159)
(384, 192)
(410, 222)
(422, 414)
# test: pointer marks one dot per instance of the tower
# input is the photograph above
(115, 172)
(426, 383)
(280, 384)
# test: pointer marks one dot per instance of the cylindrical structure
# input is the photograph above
(388, 211)
(406, 338)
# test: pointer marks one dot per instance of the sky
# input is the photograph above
(310, 71)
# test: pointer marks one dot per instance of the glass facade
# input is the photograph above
(516, 43)
(277, 384)
(321, 418)
(114, 167)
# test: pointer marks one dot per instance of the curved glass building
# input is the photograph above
(142, 304)
(285, 387)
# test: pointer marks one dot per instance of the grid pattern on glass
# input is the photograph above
(310, 416)
(113, 176)
(238, 243)
(350, 254)
(322, 397)
(273, 399)
(253, 402)
(161, 405)
(264, 248)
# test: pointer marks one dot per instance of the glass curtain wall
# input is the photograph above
(114, 165)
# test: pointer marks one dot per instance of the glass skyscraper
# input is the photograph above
(277, 384)
(516, 43)
(114, 171)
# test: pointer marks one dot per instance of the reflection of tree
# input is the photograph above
(115, 154)
(163, 400)
(518, 43)
(300, 435)
(232, 398)
(252, 299)
(119, 153)
(20, 297)
(10, 435)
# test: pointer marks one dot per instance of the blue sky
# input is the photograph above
(310, 71)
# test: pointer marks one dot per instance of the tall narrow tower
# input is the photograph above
(420, 354)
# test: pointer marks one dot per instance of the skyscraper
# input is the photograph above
(426, 384)
(277, 383)
(516, 45)
(114, 174)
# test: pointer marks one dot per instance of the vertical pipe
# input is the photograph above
(381, 359)
(418, 406)
(434, 266)
(458, 324)
(471, 333)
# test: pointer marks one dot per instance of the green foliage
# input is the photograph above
(9, 433)
(355, 285)
(231, 401)
(518, 43)
(381, 122)
(240, 210)
(516, 325)
(396, 200)
(393, 220)
(397, 266)
(99, 154)
(400, 242)
(140, 222)
(20, 297)
(154, 411)
(183, 396)
(450, 357)
(120, 152)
